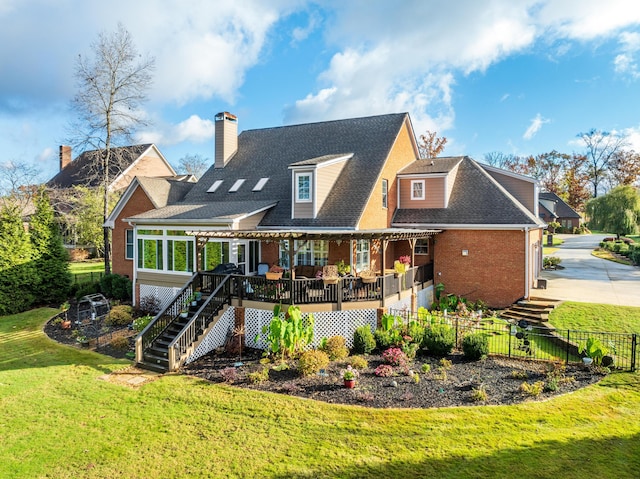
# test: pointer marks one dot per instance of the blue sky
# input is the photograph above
(517, 77)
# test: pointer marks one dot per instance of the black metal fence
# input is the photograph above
(524, 340)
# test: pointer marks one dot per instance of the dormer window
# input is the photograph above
(417, 190)
(303, 187)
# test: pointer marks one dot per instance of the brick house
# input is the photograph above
(553, 208)
(314, 194)
(310, 198)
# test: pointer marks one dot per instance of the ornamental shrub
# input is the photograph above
(395, 357)
(312, 361)
(363, 340)
(335, 348)
(384, 371)
(475, 346)
(120, 343)
(116, 286)
(357, 362)
(119, 316)
(440, 339)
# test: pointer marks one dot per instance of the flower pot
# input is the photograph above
(198, 295)
(271, 275)
(194, 303)
(66, 324)
(587, 361)
(349, 383)
(184, 314)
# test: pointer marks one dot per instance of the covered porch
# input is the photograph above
(371, 284)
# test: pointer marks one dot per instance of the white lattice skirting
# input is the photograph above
(326, 324)
(163, 294)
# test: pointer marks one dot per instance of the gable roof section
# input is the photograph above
(563, 210)
(160, 191)
(203, 213)
(477, 199)
(270, 152)
(85, 170)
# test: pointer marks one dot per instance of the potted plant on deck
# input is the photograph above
(275, 272)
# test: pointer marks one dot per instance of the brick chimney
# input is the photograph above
(226, 138)
(65, 156)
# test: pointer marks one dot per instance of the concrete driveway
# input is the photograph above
(588, 279)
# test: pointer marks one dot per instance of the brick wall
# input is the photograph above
(493, 270)
(138, 203)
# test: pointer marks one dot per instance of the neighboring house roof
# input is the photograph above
(86, 170)
(270, 152)
(161, 191)
(477, 199)
(563, 210)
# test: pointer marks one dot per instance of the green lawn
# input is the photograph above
(596, 317)
(86, 271)
(60, 421)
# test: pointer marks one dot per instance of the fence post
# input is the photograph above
(456, 330)
(510, 335)
(567, 346)
(634, 345)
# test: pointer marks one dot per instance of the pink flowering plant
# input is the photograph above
(395, 357)
(384, 371)
(350, 374)
(405, 260)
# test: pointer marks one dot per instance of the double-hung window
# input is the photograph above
(385, 194)
(128, 252)
(303, 187)
(417, 190)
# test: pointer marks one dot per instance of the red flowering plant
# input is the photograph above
(384, 371)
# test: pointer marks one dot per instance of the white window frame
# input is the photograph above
(129, 242)
(414, 183)
(363, 255)
(164, 239)
(422, 246)
(385, 193)
(299, 199)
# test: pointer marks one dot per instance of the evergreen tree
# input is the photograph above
(51, 258)
(17, 272)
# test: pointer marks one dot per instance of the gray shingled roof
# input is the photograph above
(269, 152)
(476, 199)
(164, 191)
(563, 210)
(189, 213)
(431, 165)
(86, 169)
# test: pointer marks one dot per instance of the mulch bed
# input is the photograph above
(100, 335)
(501, 378)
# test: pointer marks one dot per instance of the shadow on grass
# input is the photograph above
(617, 457)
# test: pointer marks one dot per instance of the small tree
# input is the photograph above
(194, 165)
(617, 212)
(430, 145)
(17, 272)
(50, 257)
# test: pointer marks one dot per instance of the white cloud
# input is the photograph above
(625, 63)
(194, 130)
(534, 127)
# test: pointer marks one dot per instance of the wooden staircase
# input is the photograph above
(170, 338)
(533, 310)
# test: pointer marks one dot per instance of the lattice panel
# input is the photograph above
(164, 294)
(254, 320)
(217, 337)
(424, 298)
(326, 324)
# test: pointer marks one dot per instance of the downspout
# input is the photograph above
(134, 268)
(527, 286)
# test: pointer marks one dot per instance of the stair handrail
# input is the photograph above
(198, 322)
(164, 318)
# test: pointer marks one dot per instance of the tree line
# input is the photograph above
(606, 163)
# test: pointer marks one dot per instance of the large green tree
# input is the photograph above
(616, 212)
(50, 257)
(17, 271)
